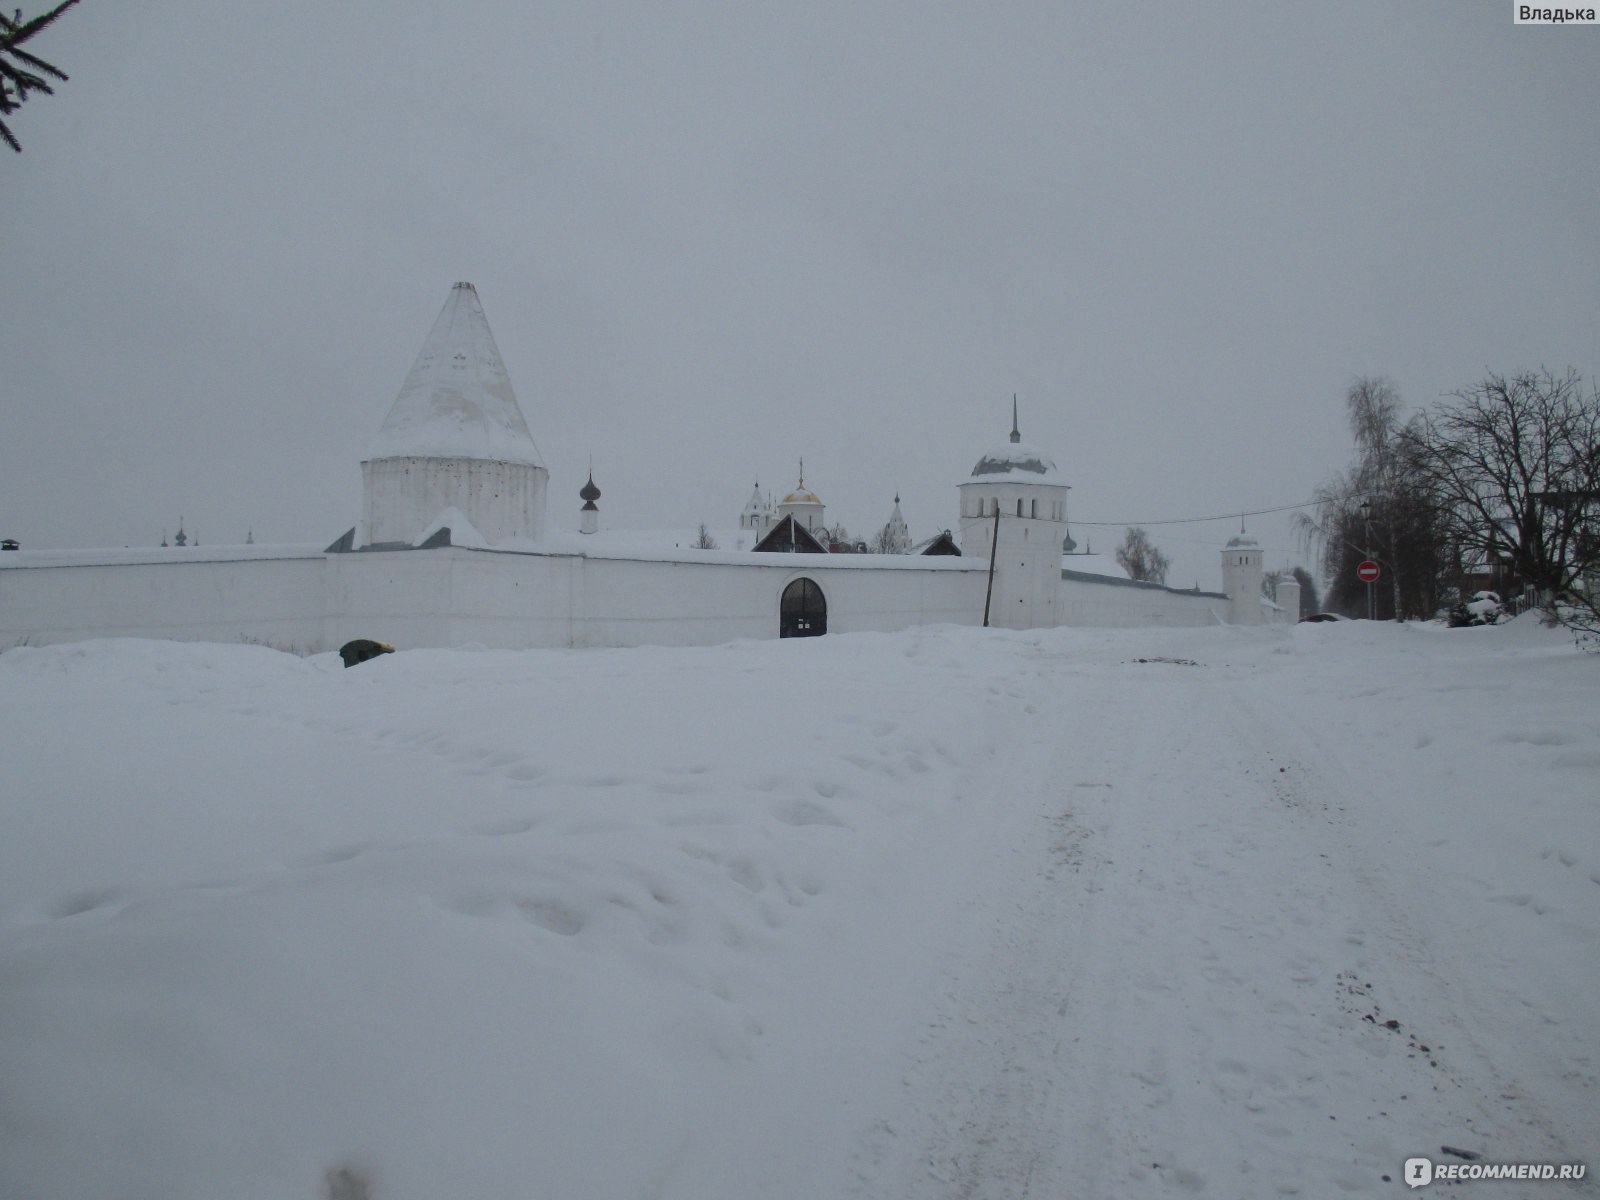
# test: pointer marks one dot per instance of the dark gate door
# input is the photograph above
(803, 611)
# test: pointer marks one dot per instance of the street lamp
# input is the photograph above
(1372, 596)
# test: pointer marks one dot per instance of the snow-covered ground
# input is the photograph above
(947, 913)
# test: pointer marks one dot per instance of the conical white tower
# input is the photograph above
(454, 438)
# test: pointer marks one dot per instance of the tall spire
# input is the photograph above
(1016, 435)
(457, 401)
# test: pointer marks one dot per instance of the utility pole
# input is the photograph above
(994, 549)
(1372, 595)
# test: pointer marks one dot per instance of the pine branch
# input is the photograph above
(19, 33)
(37, 63)
(17, 81)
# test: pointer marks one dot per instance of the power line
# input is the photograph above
(1254, 512)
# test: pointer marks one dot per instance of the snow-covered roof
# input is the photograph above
(1243, 541)
(734, 548)
(457, 401)
(1015, 461)
(462, 531)
(1104, 565)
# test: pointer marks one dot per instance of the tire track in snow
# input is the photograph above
(1022, 1013)
(1471, 1084)
(1143, 1001)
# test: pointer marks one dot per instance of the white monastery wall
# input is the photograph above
(1091, 601)
(309, 602)
(507, 600)
(278, 601)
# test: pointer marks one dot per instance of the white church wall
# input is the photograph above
(309, 602)
(509, 600)
(1089, 601)
(183, 595)
(384, 597)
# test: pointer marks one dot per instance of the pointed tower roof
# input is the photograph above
(457, 402)
(1017, 461)
(895, 517)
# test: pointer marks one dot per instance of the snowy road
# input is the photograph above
(1079, 915)
(1178, 972)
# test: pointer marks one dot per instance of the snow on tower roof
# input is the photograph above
(1023, 463)
(457, 401)
(1018, 462)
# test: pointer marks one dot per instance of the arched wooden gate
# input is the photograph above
(803, 611)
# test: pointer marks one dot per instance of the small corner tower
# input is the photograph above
(1241, 578)
(454, 438)
(1014, 508)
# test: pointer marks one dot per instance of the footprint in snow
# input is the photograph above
(508, 826)
(556, 918)
(89, 900)
(333, 855)
(804, 812)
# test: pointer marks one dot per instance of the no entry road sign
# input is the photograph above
(1368, 572)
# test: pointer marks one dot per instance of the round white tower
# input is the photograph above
(1241, 579)
(1014, 508)
(454, 439)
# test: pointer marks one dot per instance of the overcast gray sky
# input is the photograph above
(713, 237)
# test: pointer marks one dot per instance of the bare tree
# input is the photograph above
(1379, 508)
(705, 541)
(21, 72)
(1514, 464)
(1139, 557)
